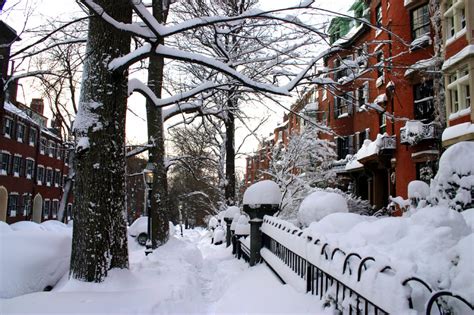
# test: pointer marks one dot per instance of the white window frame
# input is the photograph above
(46, 176)
(453, 20)
(40, 182)
(44, 208)
(457, 87)
(15, 174)
(32, 144)
(5, 171)
(29, 176)
(22, 138)
(10, 119)
(13, 213)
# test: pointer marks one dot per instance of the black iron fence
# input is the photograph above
(332, 289)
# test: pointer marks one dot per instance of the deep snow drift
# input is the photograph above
(185, 276)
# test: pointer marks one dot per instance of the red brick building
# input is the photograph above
(32, 156)
(458, 69)
(375, 93)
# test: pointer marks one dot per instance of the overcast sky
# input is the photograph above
(62, 9)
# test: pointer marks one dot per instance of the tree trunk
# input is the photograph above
(160, 212)
(229, 123)
(438, 79)
(100, 230)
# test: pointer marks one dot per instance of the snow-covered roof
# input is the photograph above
(9, 107)
(465, 52)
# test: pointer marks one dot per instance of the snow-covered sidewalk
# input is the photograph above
(186, 276)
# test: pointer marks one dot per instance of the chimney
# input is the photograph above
(12, 91)
(37, 105)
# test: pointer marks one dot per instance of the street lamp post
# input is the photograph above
(148, 179)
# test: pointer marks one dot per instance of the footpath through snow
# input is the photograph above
(186, 276)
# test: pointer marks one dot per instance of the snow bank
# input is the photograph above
(320, 204)
(263, 192)
(33, 256)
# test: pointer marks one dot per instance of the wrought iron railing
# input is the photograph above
(331, 288)
(389, 143)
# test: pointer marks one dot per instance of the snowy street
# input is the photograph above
(186, 276)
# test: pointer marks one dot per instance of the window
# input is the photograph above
(43, 146)
(55, 208)
(20, 132)
(378, 15)
(26, 205)
(40, 175)
(420, 21)
(379, 64)
(12, 205)
(4, 163)
(458, 89)
(8, 127)
(69, 211)
(362, 94)
(52, 149)
(342, 147)
(30, 165)
(343, 105)
(455, 18)
(57, 178)
(383, 123)
(49, 176)
(47, 208)
(32, 137)
(423, 101)
(16, 165)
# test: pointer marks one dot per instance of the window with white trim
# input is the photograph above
(4, 162)
(55, 208)
(46, 208)
(40, 175)
(12, 204)
(20, 132)
(26, 204)
(52, 149)
(420, 21)
(49, 176)
(458, 89)
(43, 146)
(455, 17)
(32, 137)
(8, 127)
(16, 165)
(30, 167)
(69, 211)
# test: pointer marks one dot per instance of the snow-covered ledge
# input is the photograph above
(457, 133)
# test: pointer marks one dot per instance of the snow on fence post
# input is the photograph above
(228, 217)
(260, 199)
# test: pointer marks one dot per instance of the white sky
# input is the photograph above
(136, 127)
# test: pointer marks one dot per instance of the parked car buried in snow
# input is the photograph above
(139, 230)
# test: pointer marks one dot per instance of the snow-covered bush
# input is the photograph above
(320, 204)
(355, 203)
(213, 223)
(453, 185)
